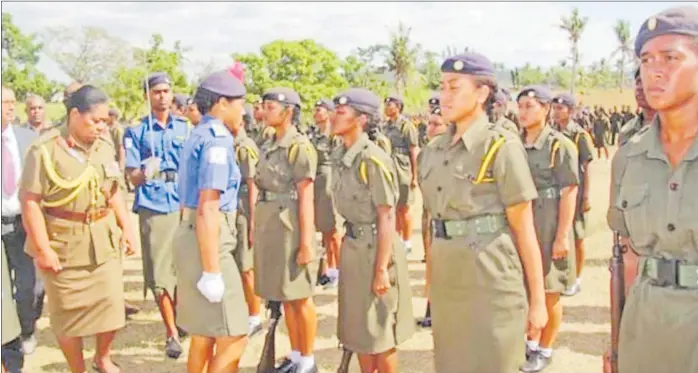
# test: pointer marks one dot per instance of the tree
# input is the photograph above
(89, 54)
(20, 54)
(400, 56)
(305, 66)
(574, 26)
(430, 69)
(624, 51)
(126, 86)
(360, 74)
(451, 51)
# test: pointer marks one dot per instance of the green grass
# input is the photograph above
(54, 111)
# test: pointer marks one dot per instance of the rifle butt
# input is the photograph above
(617, 268)
(344, 363)
(268, 358)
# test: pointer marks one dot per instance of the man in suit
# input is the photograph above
(36, 114)
(29, 292)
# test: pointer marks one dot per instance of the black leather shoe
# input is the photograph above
(425, 322)
(324, 280)
(536, 363)
(181, 333)
(286, 366)
(172, 348)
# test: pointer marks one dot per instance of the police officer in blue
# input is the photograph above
(212, 303)
(152, 162)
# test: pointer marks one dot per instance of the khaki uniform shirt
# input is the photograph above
(280, 169)
(630, 129)
(50, 175)
(447, 176)
(247, 154)
(508, 125)
(553, 168)
(402, 135)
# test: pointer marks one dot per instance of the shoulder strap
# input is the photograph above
(250, 152)
(293, 151)
(363, 171)
(487, 161)
(553, 151)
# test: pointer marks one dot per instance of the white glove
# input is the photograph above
(151, 168)
(211, 286)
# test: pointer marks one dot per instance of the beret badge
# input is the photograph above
(458, 65)
(652, 23)
(342, 100)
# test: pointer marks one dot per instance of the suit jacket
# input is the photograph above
(25, 137)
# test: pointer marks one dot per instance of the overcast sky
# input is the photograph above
(511, 33)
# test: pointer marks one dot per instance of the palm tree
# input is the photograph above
(624, 51)
(574, 25)
(401, 56)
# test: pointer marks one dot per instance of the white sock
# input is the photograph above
(546, 352)
(295, 356)
(306, 362)
(578, 282)
(408, 244)
(532, 345)
(254, 320)
(333, 273)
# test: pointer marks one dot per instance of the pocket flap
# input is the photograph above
(632, 196)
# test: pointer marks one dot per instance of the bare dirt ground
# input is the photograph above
(583, 338)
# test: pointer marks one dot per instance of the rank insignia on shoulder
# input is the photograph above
(218, 130)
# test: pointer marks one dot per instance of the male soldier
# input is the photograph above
(600, 126)
(179, 104)
(116, 130)
(404, 140)
(29, 289)
(616, 121)
(633, 126)
(36, 114)
(563, 110)
(152, 161)
(192, 112)
(499, 109)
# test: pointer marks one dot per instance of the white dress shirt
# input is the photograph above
(10, 204)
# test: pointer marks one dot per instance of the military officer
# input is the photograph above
(564, 106)
(375, 303)
(478, 188)
(634, 125)
(285, 226)
(654, 177)
(12, 355)
(552, 158)
(73, 211)
(153, 150)
(212, 306)
(247, 154)
(327, 219)
(403, 138)
(498, 112)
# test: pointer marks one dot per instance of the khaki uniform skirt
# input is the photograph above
(326, 217)
(277, 276)
(243, 253)
(478, 304)
(157, 234)
(195, 313)
(368, 324)
(84, 301)
(558, 273)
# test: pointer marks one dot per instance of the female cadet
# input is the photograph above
(285, 225)
(72, 209)
(653, 203)
(326, 217)
(212, 306)
(478, 188)
(375, 301)
(552, 159)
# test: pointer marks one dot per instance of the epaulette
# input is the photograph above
(217, 130)
(250, 152)
(299, 141)
(363, 168)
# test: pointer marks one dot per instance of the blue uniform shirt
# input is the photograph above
(208, 162)
(156, 195)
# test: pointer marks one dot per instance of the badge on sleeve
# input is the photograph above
(217, 155)
(128, 143)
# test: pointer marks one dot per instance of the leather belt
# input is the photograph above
(243, 189)
(670, 273)
(485, 224)
(267, 196)
(356, 231)
(11, 219)
(81, 217)
(549, 193)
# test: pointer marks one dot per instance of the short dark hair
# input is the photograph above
(205, 100)
(85, 98)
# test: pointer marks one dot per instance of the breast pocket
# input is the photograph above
(633, 201)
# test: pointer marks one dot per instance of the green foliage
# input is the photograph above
(20, 54)
(307, 67)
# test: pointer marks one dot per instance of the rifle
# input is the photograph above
(267, 360)
(617, 269)
(344, 363)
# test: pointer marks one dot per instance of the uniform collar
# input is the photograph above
(287, 140)
(70, 142)
(355, 149)
(475, 133)
(542, 138)
(648, 142)
(168, 124)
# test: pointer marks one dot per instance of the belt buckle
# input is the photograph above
(667, 272)
(88, 217)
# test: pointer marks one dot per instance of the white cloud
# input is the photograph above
(512, 33)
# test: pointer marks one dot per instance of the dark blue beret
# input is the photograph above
(469, 64)
(680, 20)
(539, 92)
(283, 95)
(501, 97)
(327, 104)
(181, 99)
(435, 100)
(224, 83)
(436, 111)
(566, 99)
(360, 99)
(157, 78)
(394, 98)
